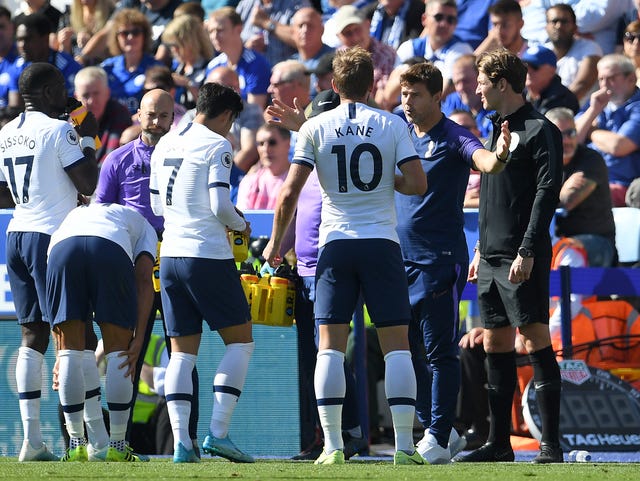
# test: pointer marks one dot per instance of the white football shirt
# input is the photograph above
(117, 223)
(36, 150)
(185, 166)
(355, 149)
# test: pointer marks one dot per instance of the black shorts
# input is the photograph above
(505, 304)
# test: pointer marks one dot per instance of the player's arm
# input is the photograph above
(225, 211)
(284, 210)
(412, 180)
(494, 162)
(143, 268)
(6, 199)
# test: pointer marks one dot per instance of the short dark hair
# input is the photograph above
(214, 99)
(4, 12)
(502, 63)
(160, 75)
(563, 7)
(38, 75)
(425, 73)
(38, 23)
(504, 7)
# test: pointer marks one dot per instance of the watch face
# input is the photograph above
(598, 411)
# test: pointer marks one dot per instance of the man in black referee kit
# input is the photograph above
(513, 256)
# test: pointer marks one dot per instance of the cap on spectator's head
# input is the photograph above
(539, 56)
(324, 65)
(345, 16)
(325, 100)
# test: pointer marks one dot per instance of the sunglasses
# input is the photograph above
(569, 133)
(631, 36)
(270, 142)
(134, 32)
(450, 19)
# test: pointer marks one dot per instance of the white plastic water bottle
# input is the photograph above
(577, 456)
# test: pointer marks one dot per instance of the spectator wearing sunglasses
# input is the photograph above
(544, 87)
(130, 44)
(584, 196)
(577, 56)
(259, 189)
(631, 45)
(437, 44)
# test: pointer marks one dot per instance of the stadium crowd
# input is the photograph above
(229, 85)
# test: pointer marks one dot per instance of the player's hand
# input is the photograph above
(131, 357)
(472, 276)
(272, 255)
(520, 270)
(282, 115)
(88, 127)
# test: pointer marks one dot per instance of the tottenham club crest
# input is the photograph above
(72, 137)
(227, 158)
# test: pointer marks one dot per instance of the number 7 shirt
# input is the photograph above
(36, 151)
(189, 185)
(355, 149)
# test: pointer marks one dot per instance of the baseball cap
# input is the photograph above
(539, 56)
(345, 16)
(325, 100)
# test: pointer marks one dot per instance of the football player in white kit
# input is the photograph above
(100, 260)
(361, 154)
(46, 163)
(190, 171)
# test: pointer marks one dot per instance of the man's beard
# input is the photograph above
(154, 135)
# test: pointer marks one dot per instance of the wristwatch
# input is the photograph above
(271, 26)
(525, 253)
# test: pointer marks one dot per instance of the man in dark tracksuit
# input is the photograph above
(512, 260)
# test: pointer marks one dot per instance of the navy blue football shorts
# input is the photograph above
(346, 268)
(195, 289)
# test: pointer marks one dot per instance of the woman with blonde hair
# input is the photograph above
(191, 50)
(129, 43)
(86, 17)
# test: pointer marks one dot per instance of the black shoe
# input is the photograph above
(489, 453)
(355, 446)
(311, 453)
(474, 439)
(549, 453)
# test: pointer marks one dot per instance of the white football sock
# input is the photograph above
(29, 385)
(227, 385)
(330, 386)
(72, 390)
(400, 388)
(118, 391)
(178, 389)
(93, 418)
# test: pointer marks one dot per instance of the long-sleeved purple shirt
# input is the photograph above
(124, 179)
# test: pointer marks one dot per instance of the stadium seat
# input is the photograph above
(627, 220)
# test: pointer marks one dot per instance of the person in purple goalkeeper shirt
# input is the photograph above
(124, 179)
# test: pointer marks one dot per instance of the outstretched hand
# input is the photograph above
(504, 141)
(283, 115)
